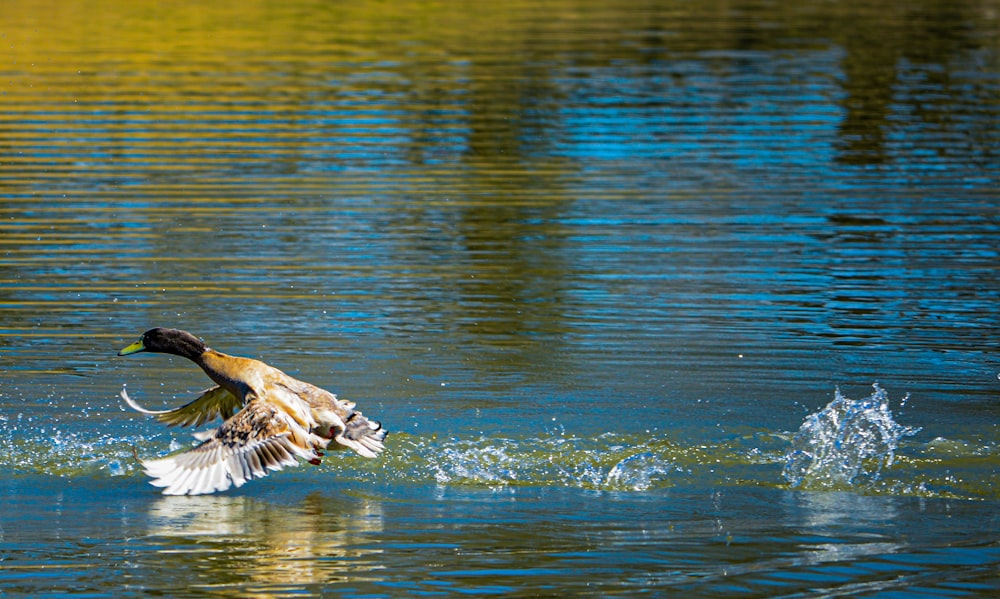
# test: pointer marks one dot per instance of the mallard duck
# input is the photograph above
(277, 420)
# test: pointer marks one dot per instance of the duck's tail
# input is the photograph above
(360, 434)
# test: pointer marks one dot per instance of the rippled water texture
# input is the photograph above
(619, 277)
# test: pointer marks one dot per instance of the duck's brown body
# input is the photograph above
(277, 419)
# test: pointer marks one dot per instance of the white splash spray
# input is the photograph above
(849, 442)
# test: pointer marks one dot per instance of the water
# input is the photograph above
(610, 273)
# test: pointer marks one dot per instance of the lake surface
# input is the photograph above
(654, 297)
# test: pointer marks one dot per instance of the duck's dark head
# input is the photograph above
(167, 341)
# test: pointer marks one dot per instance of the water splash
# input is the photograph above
(847, 443)
(610, 462)
(640, 472)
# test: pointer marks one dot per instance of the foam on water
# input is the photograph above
(848, 443)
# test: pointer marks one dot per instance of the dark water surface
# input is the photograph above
(598, 267)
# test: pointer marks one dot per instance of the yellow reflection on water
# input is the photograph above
(240, 541)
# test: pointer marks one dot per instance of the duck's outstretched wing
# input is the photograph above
(257, 440)
(213, 403)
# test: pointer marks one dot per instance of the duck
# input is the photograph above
(270, 420)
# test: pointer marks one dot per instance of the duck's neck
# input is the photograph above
(236, 375)
(191, 348)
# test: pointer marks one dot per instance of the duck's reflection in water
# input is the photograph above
(246, 543)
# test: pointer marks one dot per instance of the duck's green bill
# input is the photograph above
(132, 349)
